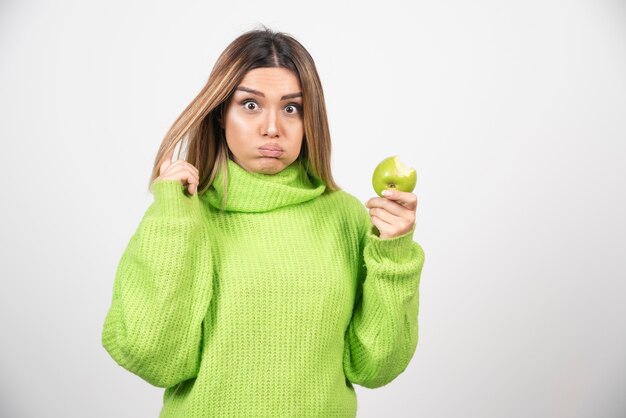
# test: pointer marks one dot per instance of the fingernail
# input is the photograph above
(387, 193)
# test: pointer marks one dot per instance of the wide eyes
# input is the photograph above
(294, 108)
(291, 108)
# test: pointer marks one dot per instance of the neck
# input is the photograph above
(247, 191)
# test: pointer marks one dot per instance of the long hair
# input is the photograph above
(199, 125)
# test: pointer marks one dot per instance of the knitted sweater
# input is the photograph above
(273, 307)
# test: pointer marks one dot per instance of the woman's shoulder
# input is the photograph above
(346, 203)
(344, 198)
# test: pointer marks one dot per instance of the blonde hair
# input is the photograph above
(199, 125)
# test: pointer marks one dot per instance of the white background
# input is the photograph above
(512, 112)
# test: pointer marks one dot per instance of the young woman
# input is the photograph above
(254, 286)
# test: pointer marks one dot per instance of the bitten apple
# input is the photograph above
(391, 173)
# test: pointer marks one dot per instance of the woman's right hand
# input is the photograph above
(181, 170)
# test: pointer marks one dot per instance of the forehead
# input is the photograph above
(271, 81)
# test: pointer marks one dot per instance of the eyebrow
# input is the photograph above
(258, 93)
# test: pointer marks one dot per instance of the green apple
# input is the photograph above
(391, 173)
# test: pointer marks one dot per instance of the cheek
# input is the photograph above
(236, 124)
(296, 129)
(238, 131)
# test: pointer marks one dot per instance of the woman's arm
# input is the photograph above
(382, 336)
(162, 290)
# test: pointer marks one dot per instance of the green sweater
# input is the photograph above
(273, 307)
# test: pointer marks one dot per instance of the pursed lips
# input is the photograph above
(271, 150)
(271, 147)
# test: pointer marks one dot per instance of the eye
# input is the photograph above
(250, 104)
(293, 108)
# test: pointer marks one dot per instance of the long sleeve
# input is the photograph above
(382, 335)
(162, 290)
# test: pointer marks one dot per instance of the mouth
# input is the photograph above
(271, 150)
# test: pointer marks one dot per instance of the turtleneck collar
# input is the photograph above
(255, 192)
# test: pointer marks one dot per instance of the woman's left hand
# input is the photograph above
(394, 214)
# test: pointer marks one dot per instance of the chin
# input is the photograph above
(270, 166)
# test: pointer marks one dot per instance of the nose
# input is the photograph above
(271, 124)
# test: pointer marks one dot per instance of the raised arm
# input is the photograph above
(162, 290)
(382, 335)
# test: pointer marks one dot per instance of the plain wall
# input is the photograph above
(513, 114)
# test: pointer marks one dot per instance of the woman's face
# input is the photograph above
(263, 120)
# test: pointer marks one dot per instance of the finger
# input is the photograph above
(403, 222)
(189, 188)
(390, 206)
(185, 164)
(391, 227)
(383, 227)
(193, 186)
(190, 185)
(406, 199)
(180, 169)
(184, 172)
(185, 176)
(385, 216)
(193, 167)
